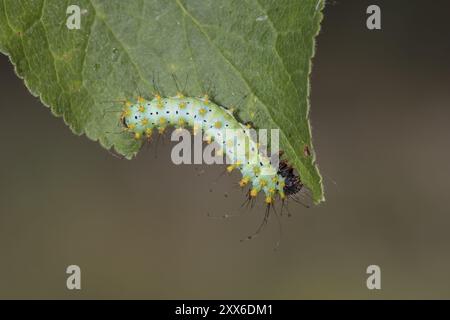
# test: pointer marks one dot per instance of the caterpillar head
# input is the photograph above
(292, 181)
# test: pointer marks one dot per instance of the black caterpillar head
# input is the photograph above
(292, 181)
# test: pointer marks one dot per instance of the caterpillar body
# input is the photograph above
(144, 116)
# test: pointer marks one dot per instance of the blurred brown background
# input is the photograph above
(139, 229)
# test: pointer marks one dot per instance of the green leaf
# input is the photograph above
(255, 54)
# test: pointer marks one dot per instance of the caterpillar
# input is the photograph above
(143, 116)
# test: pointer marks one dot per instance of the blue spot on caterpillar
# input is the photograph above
(201, 114)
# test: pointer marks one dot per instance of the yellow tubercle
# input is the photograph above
(202, 111)
(126, 113)
(141, 109)
(253, 193)
(244, 181)
(148, 132)
(140, 99)
(137, 135)
(144, 121)
(269, 199)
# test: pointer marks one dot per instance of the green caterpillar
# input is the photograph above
(142, 117)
